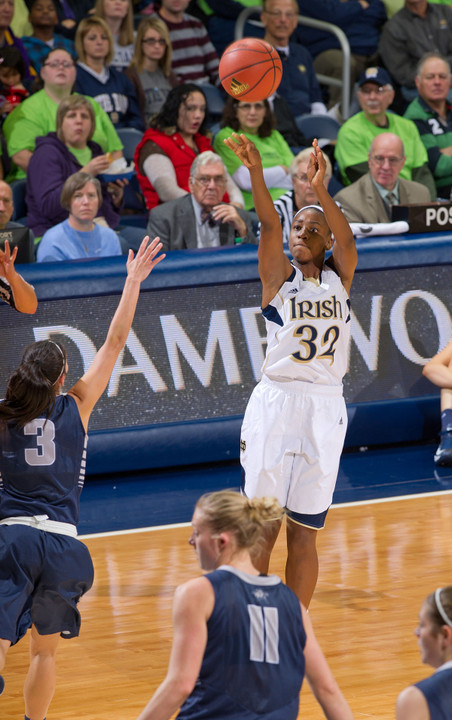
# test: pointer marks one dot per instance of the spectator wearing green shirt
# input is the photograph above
(375, 95)
(36, 116)
(257, 122)
(432, 115)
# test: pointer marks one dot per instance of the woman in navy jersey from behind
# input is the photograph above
(242, 641)
(44, 569)
(431, 698)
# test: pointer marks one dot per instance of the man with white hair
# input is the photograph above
(371, 198)
(432, 114)
(201, 219)
(417, 28)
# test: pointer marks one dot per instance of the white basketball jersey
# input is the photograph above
(308, 330)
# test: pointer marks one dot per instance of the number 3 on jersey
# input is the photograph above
(307, 335)
(44, 452)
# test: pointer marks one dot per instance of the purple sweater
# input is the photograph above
(50, 165)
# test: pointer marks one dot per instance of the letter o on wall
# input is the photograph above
(400, 331)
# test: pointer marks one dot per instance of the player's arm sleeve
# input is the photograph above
(6, 294)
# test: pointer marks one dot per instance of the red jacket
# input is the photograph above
(180, 154)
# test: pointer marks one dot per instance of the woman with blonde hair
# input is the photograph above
(96, 78)
(67, 151)
(431, 698)
(118, 15)
(150, 68)
(242, 641)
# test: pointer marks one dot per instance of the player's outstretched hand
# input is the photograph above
(245, 150)
(147, 257)
(317, 166)
(7, 259)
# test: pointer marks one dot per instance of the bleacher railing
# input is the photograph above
(320, 25)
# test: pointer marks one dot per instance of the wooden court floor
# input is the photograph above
(377, 563)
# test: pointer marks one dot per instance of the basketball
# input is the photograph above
(250, 69)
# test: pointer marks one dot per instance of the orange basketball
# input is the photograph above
(250, 69)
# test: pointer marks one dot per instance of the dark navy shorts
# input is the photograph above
(42, 577)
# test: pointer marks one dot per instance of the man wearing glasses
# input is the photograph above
(200, 219)
(375, 95)
(431, 112)
(371, 198)
(299, 84)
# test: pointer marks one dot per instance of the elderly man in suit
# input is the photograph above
(371, 198)
(200, 218)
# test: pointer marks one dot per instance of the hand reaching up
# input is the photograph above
(245, 150)
(317, 167)
(139, 267)
(7, 259)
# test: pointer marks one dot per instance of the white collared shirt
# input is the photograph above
(206, 235)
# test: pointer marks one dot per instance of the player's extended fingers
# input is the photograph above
(151, 252)
(7, 252)
(320, 157)
(236, 142)
(232, 145)
(143, 246)
(14, 253)
(154, 246)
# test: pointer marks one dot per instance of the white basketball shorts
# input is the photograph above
(291, 442)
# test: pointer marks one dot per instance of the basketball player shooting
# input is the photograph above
(295, 422)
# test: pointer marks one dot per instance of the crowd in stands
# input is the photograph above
(75, 75)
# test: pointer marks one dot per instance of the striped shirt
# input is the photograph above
(285, 207)
(194, 57)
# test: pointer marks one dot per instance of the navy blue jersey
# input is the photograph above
(42, 465)
(437, 690)
(299, 85)
(114, 93)
(6, 294)
(253, 665)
